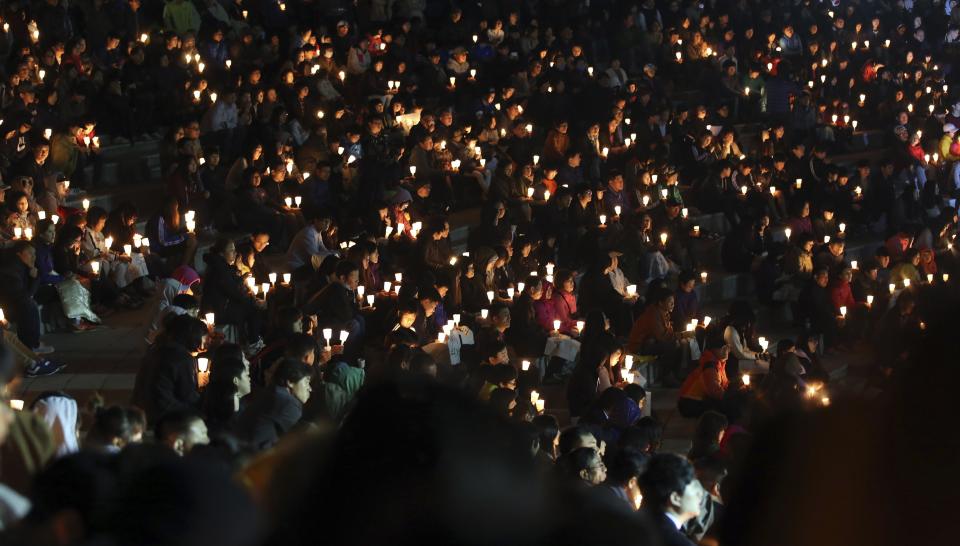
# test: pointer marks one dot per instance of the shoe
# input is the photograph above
(43, 368)
(43, 349)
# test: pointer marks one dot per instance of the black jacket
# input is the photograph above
(269, 414)
(166, 381)
(222, 286)
(16, 282)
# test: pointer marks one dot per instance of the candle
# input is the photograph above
(534, 396)
(520, 286)
(696, 231)
(536, 158)
(843, 227)
(145, 242)
(128, 249)
(387, 285)
(490, 296)
(17, 405)
(546, 195)
(343, 336)
(787, 232)
(510, 293)
(556, 325)
(191, 226)
(484, 313)
(853, 264)
(288, 201)
(541, 404)
(95, 267)
(42, 214)
(929, 278)
(525, 365)
(603, 219)
(580, 325)
(745, 378)
(906, 283)
(616, 210)
(17, 232)
(703, 276)
(628, 362)
(946, 277)
(203, 364)
(265, 288)
(631, 290)
(209, 319)
(86, 204)
(799, 183)
(826, 239)
(370, 299)
(843, 310)
(297, 200)
(743, 190)
(892, 287)
(869, 300)
(706, 321)
(858, 191)
(663, 238)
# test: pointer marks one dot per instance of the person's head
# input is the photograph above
(112, 428)
(821, 276)
(709, 433)
(584, 463)
(670, 485)
(294, 376)
(424, 365)
(711, 471)
(548, 431)
(500, 317)
(495, 353)
(187, 331)
(575, 437)
(503, 401)
(504, 377)
(348, 273)
(26, 253)
(302, 348)
(624, 472)
(687, 281)
(181, 431)
(429, 298)
(233, 374)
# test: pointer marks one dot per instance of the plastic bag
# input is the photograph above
(75, 300)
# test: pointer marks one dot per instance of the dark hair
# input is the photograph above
(709, 426)
(421, 362)
(218, 397)
(502, 374)
(299, 346)
(187, 331)
(643, 436)
(345, 268)
(290, 371)
(666, 474)
(626, 464)
(174, 423)
(547, 429)
(573, 463)
(635, 392)
(500, 400)
(95, 214)
(110, 423)
(491, 349)
(571, 438)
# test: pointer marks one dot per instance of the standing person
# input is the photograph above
(672, 496)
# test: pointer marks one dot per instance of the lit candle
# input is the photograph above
(525, 365)
(946, 277)
(484, 313)
(343, 336)
(892, 287)
(745, 378)
(826, 239)
(843, 227)
(209, 319)
(663, 238)
(603, 219)
(17, 232)
(706, 321)
(703, 276)
(799, 183)
(853, 264)
(906, 283)
(541, 404)
(17, 405)
(580, 325)
(616, 210)
(510, 292)
(631, 290)
(42, 214)
(128, 249)
(787, 232)
(95, 267)
(86, 204)
(490, 296)
(556, 325)
(843, 310)
(869, 300)
(203, 364)
(534, 396)
(929, 278)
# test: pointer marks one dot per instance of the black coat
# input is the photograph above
(334, 305)
(16, 282)
(166, 381)
(269, 414)
(667, 531)
(222, 286)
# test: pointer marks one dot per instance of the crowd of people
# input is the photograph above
(439, 257)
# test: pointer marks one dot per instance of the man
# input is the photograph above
(623, 476)
(19, 285)
(672, 496)
(277, 408)
(181, 431)
(336, 305)
(585, 464)
(307, 246)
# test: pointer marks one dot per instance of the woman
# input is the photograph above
(167, 378)
(252, 159)
(169, 237)
(76, 287)
(254, 213)
(564, 302)
(738, 335)
(473, 290)
(112, 430)
(526, 335)
(229, 383)
(593, 374)
(705, 388)
(225, 295)
(708, 435)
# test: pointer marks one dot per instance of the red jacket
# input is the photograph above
(841, 295)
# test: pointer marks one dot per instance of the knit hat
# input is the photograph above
(949, 128)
